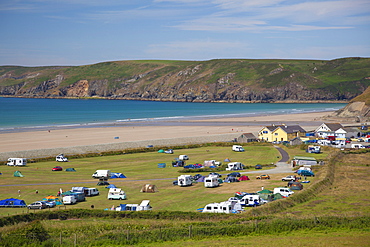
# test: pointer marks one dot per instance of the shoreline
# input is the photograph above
(39, 143)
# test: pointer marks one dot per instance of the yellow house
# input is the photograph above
(280, 133)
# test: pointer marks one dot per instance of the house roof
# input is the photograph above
(292, 128)
(249, 135)
(334, 126)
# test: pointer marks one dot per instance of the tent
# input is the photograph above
(220, 181)
(227, 160)
(70, 170)
(149, 188)
(160, 151)
(278, 196)
(111, 186)
(201, 179)
(12, 203)
(265, 191)
(18, 174)
(244, 178)
(231, 180)
(117, 175)
(53, 198)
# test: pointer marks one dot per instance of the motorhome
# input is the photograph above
(285, 192)
(102, 174)
(211, 181)
(234, 166)
(16, 162)
(223, 207)
(61, 158)
(116, 194)
(69, 199)
(144, 205)
(238, 148)
(184, 180)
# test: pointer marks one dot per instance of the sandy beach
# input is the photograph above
(140, 134)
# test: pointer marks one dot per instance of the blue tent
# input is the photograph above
(12, 203)
(201, 179)
(117, 175)
(111, 186)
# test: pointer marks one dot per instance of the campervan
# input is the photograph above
(252, 200)
(61, 158)
(223, 207)
(183, 157)
(102, 174)
(116, 194)
(238, 148)
(211, 181)
(234, 166)
(283, 191)
(17, 162)
(80, 196)
(69, 199)
(184, 180)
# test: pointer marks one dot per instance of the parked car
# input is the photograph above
(50, 204)
(264, 176)
(37, 205)
(258, 167)
(216, 174)
(101, 183)
(234, 174)
(289, 178)
(196, 177)
(57, 168)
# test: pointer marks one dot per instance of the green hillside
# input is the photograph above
(228, 80)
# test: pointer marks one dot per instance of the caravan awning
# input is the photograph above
(145, 203)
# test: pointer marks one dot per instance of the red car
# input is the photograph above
(57, 168)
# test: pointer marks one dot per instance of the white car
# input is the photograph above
(289, 178)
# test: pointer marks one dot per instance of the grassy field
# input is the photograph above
(140, 169)
(335, 215)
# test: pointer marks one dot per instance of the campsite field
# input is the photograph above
(333, 216)
(140, 169)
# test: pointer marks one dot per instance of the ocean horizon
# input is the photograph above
(32, 113)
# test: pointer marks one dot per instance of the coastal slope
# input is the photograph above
(220, 80)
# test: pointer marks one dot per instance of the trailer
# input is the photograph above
(211, 181)
(184, 180)
(143, 206)
(223, 207)
(234, 166)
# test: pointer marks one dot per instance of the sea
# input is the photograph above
(33, 113)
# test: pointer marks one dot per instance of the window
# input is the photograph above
(276, 134)
(265, 132)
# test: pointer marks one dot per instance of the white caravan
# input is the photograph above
(211, 181)
(116, 194)
(184, 180)
(234, 166)
(183, 157)
(238, 148)
(86, 191)
(283, 191)
(17, 162)
(223, 207)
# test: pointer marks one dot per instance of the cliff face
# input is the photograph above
(358, 110)
(209, 81)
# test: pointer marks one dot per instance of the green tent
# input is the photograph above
(70, 170)
(265, 191)
(160, 151)
(18, 174)
(278, 196)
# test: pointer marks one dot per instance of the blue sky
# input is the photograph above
(78, 32)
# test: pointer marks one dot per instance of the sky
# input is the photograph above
(80, 32)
